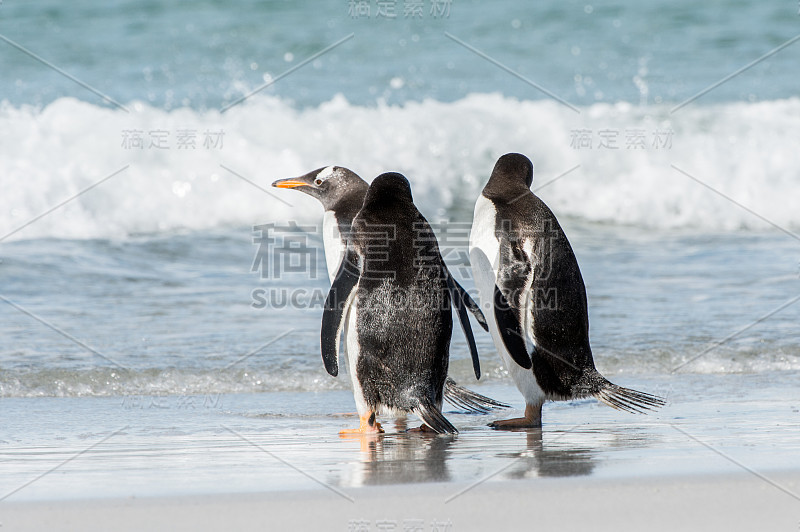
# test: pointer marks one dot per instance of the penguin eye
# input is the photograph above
(318, 181)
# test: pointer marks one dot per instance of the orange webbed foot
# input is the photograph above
(532, 420)
(367, 426)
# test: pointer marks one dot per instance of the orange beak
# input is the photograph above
(289, 183)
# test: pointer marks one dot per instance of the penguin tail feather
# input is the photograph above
(628, 400)
(469, 401)
(433, 417)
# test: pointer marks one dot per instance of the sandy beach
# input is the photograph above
(730, 502)
(710, 460)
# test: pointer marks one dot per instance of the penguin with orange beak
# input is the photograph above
(341, 193)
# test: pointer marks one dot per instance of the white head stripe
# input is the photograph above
(325, 173)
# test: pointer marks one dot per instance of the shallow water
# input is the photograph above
(146, 446)
(179, 314)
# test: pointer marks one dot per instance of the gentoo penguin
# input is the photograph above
(532, 291)
(341, 193)
(394, 283)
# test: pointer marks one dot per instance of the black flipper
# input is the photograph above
(471, 305)
(457, 294)
(434, 418)
(511, 299)
(509, 322)
(469, 401)
(336, 305)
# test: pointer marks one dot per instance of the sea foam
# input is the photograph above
(196, 170)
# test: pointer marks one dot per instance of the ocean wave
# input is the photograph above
(185, 169)
(140, 384)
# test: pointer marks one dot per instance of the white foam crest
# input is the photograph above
(110, 382)
(746, 151)
(105, 382)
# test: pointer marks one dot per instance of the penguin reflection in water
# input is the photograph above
(395, 286)
(533, 295)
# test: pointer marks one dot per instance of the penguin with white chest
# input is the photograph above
(341, 193)
(533, 295)
(394, 283)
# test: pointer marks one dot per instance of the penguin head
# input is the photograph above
(512, 172)
(329, 184)
(388, 188)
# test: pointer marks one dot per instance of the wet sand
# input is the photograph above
(722, 455)
(732, 502)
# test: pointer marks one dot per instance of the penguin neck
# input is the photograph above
(349, 201)
(505, 191)
(344, 212)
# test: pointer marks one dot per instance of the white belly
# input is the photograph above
(334, 252)
(351, 343)
(332, 241)
(484, 255)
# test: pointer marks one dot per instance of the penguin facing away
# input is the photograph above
(394, 283)
(341, 193)
(534, 297)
